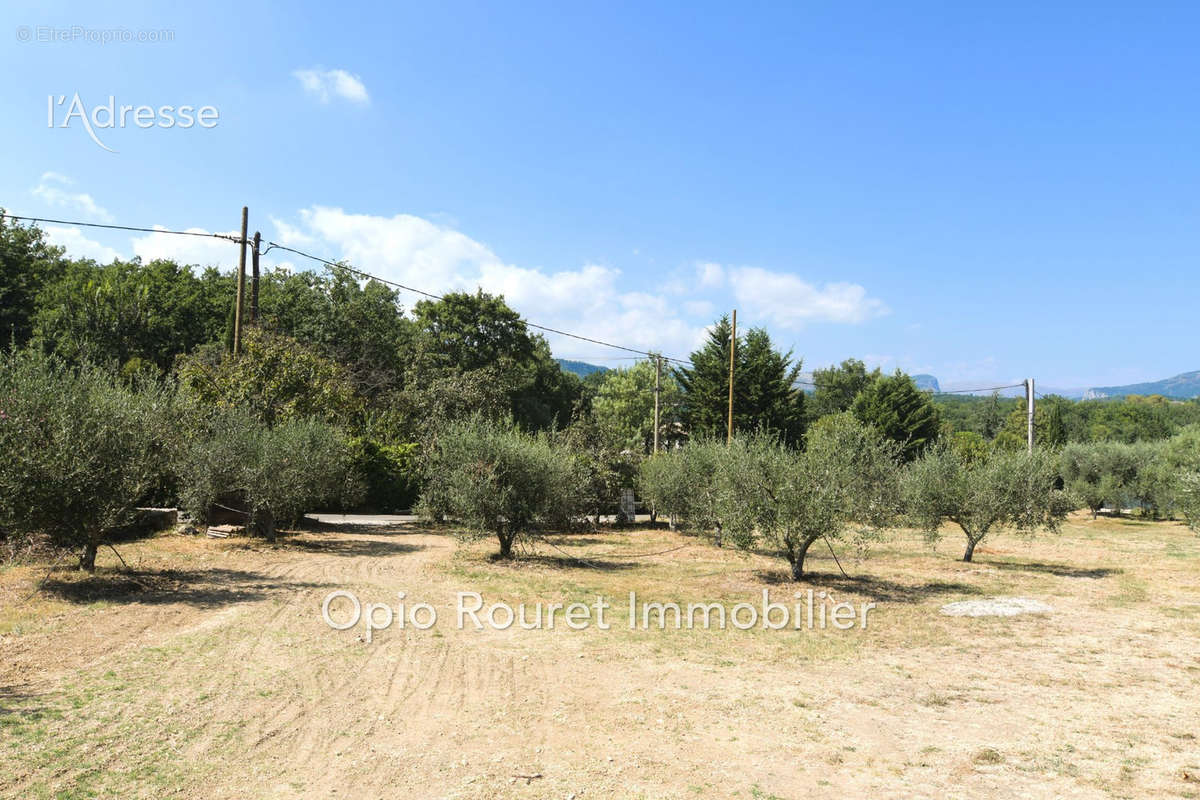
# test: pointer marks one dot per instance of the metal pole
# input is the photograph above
(254, 280)
(657, 389)
(241, 285)
(1029, 401)
(732, 349)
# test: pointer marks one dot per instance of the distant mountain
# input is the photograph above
(1185, 385)
(926, 383)
(580, 368)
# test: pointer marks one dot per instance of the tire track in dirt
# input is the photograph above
(333, 696)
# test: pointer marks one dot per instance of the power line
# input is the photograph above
(432, 296)
(327, 262)
(339, 265)
(939, 392)
(975, 391)
(226, 236)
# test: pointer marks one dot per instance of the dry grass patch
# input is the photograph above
(205, 671)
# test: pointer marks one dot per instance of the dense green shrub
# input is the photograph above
(497, 481)
(390, 473)
(1006, 490)
(970, 447)
(80, 448)
(274, 378)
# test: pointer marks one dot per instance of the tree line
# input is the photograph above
(118, 388)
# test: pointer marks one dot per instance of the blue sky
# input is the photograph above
(980, 193)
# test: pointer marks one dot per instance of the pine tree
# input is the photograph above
(765, 396)
(900, 411)
(992, 419)
(706, 384)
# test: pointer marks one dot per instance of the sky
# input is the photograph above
(981, 193)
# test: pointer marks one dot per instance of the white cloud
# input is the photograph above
(587, 301)
(77, 245)
(52, 189)
(590, 300)
(791, 302)
(327, 83)
(290, 234)
(710, 275)
(203, 251)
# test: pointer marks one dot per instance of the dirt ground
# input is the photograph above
(205, 670)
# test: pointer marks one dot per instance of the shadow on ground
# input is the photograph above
(1058, 570)
(560, 562)
(869, 586)
(310, 525)
(206, 588)
(352, 547)
(22, 702)
(579, 540)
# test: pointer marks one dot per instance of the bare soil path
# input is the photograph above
(207, 672)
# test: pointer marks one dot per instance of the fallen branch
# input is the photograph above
(122, 560)
(49, 572)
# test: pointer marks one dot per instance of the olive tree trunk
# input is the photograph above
(971, 542)
(796, 556)
(506, 542)
(87, 559)
(975, 533)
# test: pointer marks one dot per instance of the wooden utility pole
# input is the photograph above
(241, 284)
(1029, 400)
(657, 389)
(732, 350)
(254, 280)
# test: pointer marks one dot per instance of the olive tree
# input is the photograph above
(211, 457)
(80, 450)
(686, 484)
(664, 485)
(496, 480)
(1155, 484)
(1100, 473)
(299, 465)
(278, 472)
(1168, 482)
(843, 481)
(604, 469)
(1013, 490)
(1188, 498)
